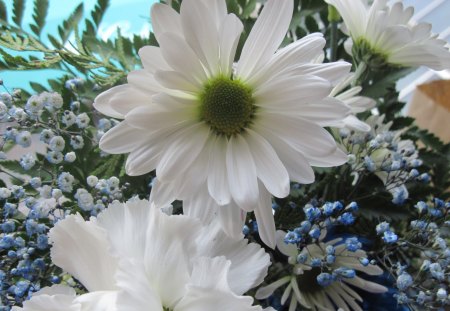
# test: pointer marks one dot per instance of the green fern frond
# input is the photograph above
(39, 15)
(18, 10)
(3, 12)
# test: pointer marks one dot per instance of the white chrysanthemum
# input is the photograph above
(302, 286)
(135, 257)
(242, 131)
(382, 33)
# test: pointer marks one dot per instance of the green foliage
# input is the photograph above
(106, 62)
(3, 12)
(18, 10)
(39, 15)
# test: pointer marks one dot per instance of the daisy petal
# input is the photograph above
(164, 19)
(265, 36)
(182, 150)
(270, 170)
(242, 178)
(264, 218)
(217, 176)
(201, 32)
(152, 59)
(180, 56)
(229, 34)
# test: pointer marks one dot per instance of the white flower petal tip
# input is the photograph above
(178, 118)
(388, 33)
(134, 256)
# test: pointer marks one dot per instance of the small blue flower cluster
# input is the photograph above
(422, 283)
(319, 218)
(53, 189)
(383, 153)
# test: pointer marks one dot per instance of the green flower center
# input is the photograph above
(363, 51)
(227, 106)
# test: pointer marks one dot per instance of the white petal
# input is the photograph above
(229, 34)
(117, 101)
(82, 249)
(98, 301)
(299, 52)
(144, 81)
(353, 13)
(295, 162)
(163, 193)
(264, 218)
(290, 92)
(201, 206)
(137, 293)
(218, 9)
(176, 81)
(152, 59)
(305, 136)
(122, 138)
(232, 220)
(156, 117)
(164, 19)
(209, 289)
(54, 298)
(270, 170)
(217, 176)
(265, 36)
(180, 56)
(201, 33)
(266, 291)
(242, 176)
(182, 150)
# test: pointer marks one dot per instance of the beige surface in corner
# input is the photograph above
(430, 106)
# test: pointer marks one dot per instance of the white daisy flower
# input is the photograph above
(241, 132)
(135, 257)
(383, 34)
(302, 286)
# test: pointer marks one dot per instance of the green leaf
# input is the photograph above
(39, 15)
(38, 88)
(18, 10)
(99, 11)
(3, 12)
(386, 80)
(233, 7)
(249, 8)
(69, 24)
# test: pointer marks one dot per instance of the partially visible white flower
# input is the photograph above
(241, 132)
(135, 257)
(356, 103)
(381, 33)
(27, 161)
(302, 285)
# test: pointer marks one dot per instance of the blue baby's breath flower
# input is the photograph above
(390, 237)
(352, 244)
(325, 279)
(404, 281)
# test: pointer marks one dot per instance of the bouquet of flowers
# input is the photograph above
(244, 155)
